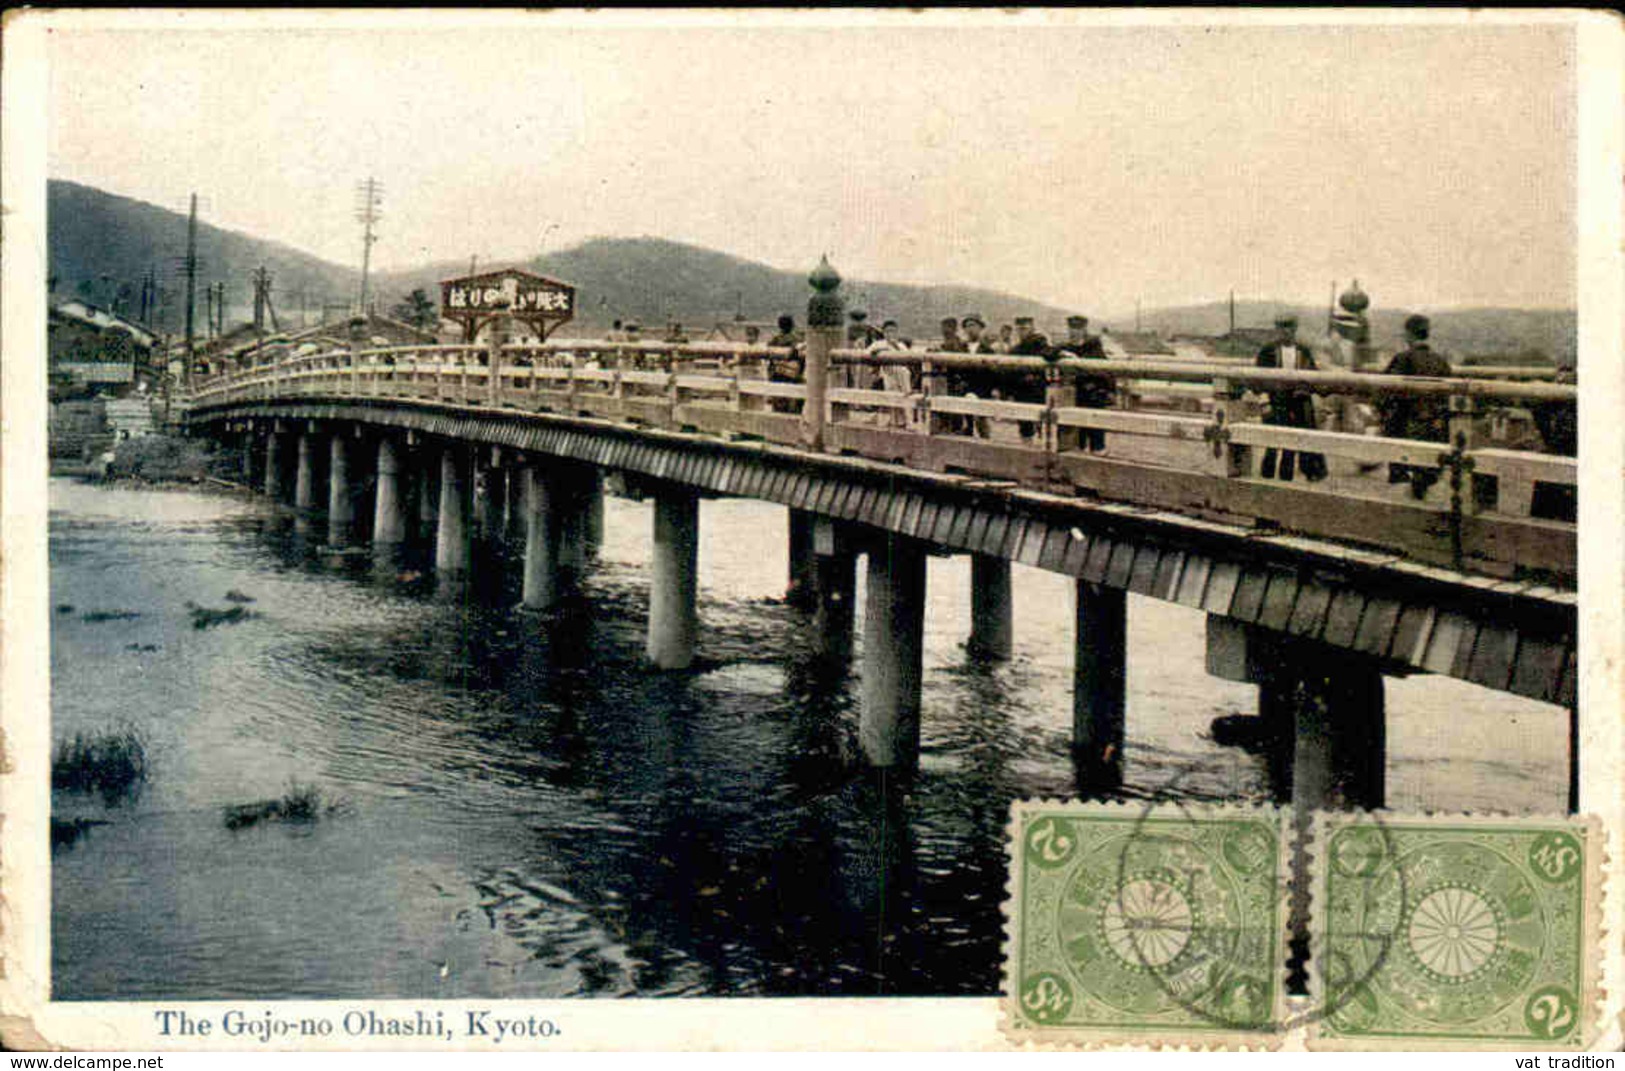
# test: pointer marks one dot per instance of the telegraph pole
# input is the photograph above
(191, 289)
(369, 204)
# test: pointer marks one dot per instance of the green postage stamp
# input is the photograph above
(1455, 932)
(1171, 925)
(1154, 925)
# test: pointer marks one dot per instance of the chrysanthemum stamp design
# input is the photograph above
(1454, 931)
(1161, 925)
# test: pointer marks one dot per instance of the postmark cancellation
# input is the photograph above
(1156, 926)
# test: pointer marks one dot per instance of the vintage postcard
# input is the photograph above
(848, 529)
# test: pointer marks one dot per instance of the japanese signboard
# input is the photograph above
(537, 300)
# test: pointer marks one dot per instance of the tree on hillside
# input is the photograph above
(417, 310)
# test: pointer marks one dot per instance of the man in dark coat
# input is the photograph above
(1425, 418)
(1028, 387)
(1093, 392)
(979, 383)
(956, 379)
(1290, 408)
(787, 369)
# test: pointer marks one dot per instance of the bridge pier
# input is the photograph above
(1337, 711)
(389, 512)
(544, 581)
(273, 466)
(247, 463)
(428, 479)
(1099, 652)
(673, 620)
(482, 476)
(340, 495)
(451, 549)
(800, 584)
(304, 486)
(514, 503)
(990, 608)
(893, 645)
(592, 508)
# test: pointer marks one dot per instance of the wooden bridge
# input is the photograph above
(1314, 591)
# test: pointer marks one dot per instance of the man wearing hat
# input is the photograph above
(898, 378)
(631, 331)
(1029, 386)
(1405, 417)
(977, 383)
(1290, 408)
(788, 369)
(1093, 392)
(957, 379)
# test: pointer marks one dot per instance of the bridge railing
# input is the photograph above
(1165, 414)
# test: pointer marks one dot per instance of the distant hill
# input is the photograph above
(651, 279)
(102, 245)
(1461, 333)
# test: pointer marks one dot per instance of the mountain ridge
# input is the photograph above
(101, 243)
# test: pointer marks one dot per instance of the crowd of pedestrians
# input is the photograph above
(1291, 404)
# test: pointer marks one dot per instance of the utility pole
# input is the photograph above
(191, 289)
(1136, 316)
(262, 293)
(369, 209)
(208, 312)
(1232, 314)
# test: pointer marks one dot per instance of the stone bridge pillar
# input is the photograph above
(1100, 649)
(389, 512)
(451, 549)
(990, 608)
(247, 463)
(427, 464)
(834, 588)
(340, 494)
(482, 476)
(304, 486)
(590, 496)
(893, 643)
(273, 465)
(544, 582)
(800, 584)
(673, 620)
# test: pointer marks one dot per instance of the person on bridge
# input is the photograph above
(1288, 407)
(1093, 392)
(1425, 418)
(893, 377)
(858, 336)
(978, 383)
(1029, 386)
(954, 342)
(789, 369)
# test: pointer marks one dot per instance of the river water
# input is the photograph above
(524, 809)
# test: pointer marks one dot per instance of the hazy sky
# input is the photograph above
(1084, 165)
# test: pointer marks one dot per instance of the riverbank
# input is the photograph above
(168, 461)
